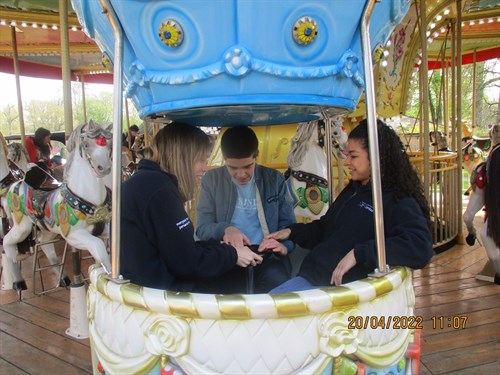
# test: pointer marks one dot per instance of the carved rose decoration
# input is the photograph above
(335, 337)
(166, 335)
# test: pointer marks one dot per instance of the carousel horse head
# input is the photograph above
(438, 140)
(13, 165)
(138, 143)
(307, 161)
(494, 133)
(19, 155)
(78, 210)
(93, 143)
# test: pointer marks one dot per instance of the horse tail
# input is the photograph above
(492, 195)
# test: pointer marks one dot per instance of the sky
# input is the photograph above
(39, 89)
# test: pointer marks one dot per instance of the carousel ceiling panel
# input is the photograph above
(480, 5)
(33, 5)
(38, 41)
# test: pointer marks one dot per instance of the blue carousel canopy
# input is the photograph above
(231, 62)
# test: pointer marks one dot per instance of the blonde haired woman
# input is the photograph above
(158, 249)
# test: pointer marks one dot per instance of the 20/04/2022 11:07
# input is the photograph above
(455, 322)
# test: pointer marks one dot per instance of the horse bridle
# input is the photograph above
(84, 153)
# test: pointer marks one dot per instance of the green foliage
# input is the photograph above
(9, 120)
(486, 106)
(50, 113)
(46, 114)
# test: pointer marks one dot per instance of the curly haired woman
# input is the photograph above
(342, 242)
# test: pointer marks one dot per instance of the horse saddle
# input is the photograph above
(17, 172)
(39, 179)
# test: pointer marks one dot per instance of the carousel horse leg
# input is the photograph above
(476, 202)
(493, 254)
(18, 233)
(81, 239)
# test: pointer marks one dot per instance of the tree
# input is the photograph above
(9, 120)
(487, 107)
(46, 114)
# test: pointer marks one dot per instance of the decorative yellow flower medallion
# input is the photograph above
(305, 30)
(106, 62)
(171, 33)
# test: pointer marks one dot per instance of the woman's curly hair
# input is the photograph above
(396, 172)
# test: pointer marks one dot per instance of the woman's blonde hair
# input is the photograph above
(176, 147)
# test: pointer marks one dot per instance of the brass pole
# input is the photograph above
(473, 125)
(424, 88)
(84, 102)
(18, 85)
(453, 68)
(460, 237)
(65, 68)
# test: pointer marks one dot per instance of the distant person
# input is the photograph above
(39, 147)
(158, 249)
(240, 203)
(128, 137)
(342, 242)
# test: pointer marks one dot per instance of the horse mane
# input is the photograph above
(91, 130)
(16, 150)
(300, 143)
(492, 196)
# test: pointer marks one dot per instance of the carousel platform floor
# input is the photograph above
(33, 339)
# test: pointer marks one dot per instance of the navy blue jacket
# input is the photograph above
(349, 224)
(158, 249)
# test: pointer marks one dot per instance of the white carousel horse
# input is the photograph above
(9, 174)
(307, 173)
(19, 155)
(472, 154)
(78, 210)
(476, 149)
(486, 185)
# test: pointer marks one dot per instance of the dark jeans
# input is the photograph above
(273, 271)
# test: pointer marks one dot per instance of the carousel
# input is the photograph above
(204, 63)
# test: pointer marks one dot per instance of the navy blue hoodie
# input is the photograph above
(158, 249)
(349, 224)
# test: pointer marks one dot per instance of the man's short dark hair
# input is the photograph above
(134, 128)
(239, 142)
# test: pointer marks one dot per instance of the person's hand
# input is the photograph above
(343, 267)
(273, 245)
(247, 257)
(281, 235)
(235, 237)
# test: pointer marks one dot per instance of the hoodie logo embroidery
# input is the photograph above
(183, 223)
(366, 206)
